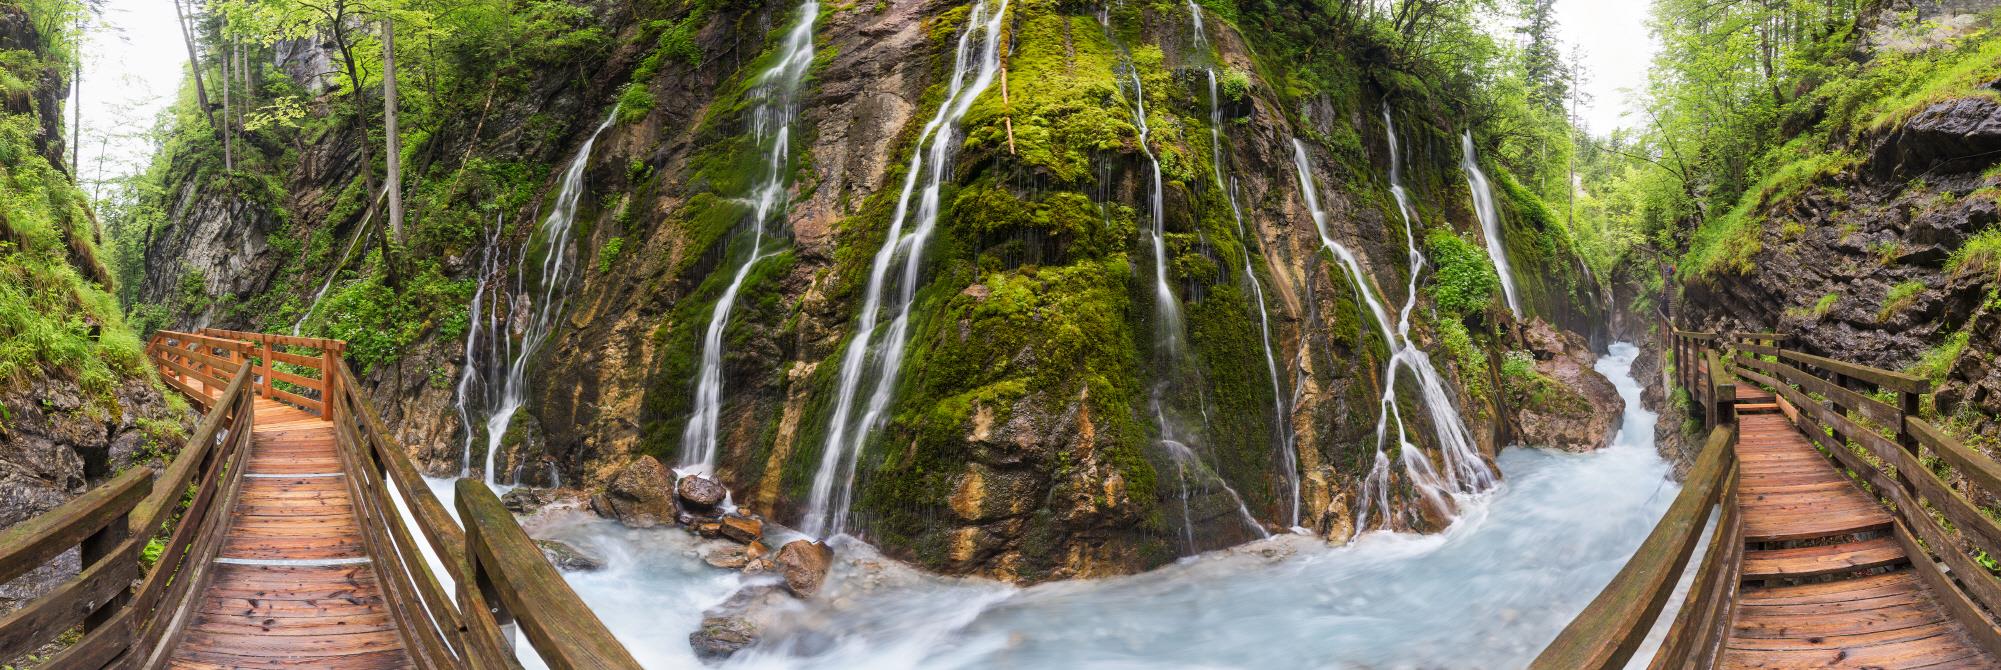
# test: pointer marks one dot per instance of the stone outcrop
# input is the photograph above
(1580, 410)
(640, 495)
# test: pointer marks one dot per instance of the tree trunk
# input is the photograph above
(194, 65)
(390, 135)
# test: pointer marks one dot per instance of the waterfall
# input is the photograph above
(519, 327)
(776, 93)
(1170, 344)
(865, 355)
(477, 323)
(1490, 221)
(1282, 431)
(1464, 469)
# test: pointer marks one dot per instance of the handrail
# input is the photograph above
(1609, 630)
(509, 572)
(126, 611)
(1932, 520)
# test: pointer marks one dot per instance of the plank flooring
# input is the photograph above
(1825, 585)
(320, 605)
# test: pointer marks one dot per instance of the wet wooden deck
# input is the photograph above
(293, 587)
(1826, 585)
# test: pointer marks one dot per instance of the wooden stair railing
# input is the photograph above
(126, 611)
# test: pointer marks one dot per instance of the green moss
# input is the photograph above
(1063, 98)
(1937, 362)
(609, 254)
(1727, 243)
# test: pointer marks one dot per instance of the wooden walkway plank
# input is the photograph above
(321, 605)
(1826, 585)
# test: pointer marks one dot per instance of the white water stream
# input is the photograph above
(777, 93)
(1464, 470)
(520, 328)
(1490, 220)
(1282, 432)
(975, 64)
(1488, 592)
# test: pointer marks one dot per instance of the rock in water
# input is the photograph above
(722, 636)
(565, 556)
(729, 557)
(1572, 407)
(805, 564)
(742, 529)
(700, 493)
(526, 500)
(639, 495)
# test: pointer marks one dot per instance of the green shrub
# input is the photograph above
(1465, 282)
(1902, 295)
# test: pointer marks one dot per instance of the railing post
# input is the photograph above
(329, 381)
(269, 363)
(98, 547)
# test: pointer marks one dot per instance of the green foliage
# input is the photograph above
(1825, 304)
(1980, 254)
(1900, 296)
(609, 254)
(1465, 282)
(1937, 362)
(635, 101)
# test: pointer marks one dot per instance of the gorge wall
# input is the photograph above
(74, 383)
(1020, 442)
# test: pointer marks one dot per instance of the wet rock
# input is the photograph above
(804, 564)
(700, 493)
(1574, 408)
(639, 494)
(566, 556)
(709, 529)
(1946, 137)
(742, 529)
(722, 636)
(738, 621)
(727, 557)
(527, 500)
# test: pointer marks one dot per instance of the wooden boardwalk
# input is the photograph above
(1826, 584)
(293, 586)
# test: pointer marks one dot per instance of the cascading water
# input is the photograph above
(1566, 524)
(1282, 431)
(478, 324)
(777, 95)
(1464, 469)
(1490, 221)
(1170, 345)
(865, 355)
(519, 331)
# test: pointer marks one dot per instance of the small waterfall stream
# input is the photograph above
(1490, 221)
(519, 325)
(1464, 469)
(1282, 432)
(1172, 370)
(1529, 557)
(975, 63)
(777, 93)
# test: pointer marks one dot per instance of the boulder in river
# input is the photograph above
(566, 556)
(727, 557)
(742, 529)
(700, 493)
(1568, 406)
(639, 495)
(737, 622)
(527, 500)
(804, 564)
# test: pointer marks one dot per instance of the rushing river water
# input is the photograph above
(1489, 592)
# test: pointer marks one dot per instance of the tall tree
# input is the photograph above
(194, 63)
(394, 155)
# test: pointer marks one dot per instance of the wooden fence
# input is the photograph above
(494, 579)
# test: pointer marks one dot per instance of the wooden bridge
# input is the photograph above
(1834, 538)
(282, 540)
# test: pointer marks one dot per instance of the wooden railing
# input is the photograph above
(124, 618)
(447, 619)
(1842, 408)
(1868, 420)
(1611, 628)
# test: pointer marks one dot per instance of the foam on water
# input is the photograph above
(1488, 592)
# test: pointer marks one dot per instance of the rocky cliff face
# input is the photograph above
(1019, 444)
(73, 382)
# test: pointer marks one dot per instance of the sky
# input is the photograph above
(133, 61)
(1617, 51)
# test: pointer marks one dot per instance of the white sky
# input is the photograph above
(133, 62)
(1617, 51)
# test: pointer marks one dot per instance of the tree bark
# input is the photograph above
(194, 65)
(390, 133)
